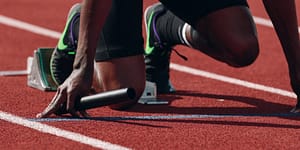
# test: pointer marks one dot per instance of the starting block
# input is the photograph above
(38, 67)
(39, 77)
(150, 95)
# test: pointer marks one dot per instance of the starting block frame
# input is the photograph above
(150, 95)
(39, 77)
(38, 66)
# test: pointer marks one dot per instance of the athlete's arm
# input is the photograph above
(78, 84)
(284, 18)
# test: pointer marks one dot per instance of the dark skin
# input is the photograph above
(241, 49)
(78, 84)
(283, 16)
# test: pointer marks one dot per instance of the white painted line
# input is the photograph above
(169, 117)
(29, 27)
(18, 72)
(13, 72)
(265, 22)
(59, 132)
(226, 79)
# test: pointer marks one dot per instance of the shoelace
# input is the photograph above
(159, 43)
(180, 55)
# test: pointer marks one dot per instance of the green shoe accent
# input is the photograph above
(61, 45)
(71, 53)
(149, 49)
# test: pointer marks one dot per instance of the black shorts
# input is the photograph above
(122, 32)
(192, 10)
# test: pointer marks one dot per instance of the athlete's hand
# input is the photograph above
(77, 85)
(296, 109)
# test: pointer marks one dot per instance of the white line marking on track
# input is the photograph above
(29, 27)
(13, 72)
(262, 21)
(59, 132)
(169, 117)
(226, 79)
(265, 22)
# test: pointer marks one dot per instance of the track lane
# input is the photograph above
(208, 132)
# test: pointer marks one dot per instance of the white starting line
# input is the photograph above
(59, 132)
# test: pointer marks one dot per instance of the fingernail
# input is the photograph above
(39, 115)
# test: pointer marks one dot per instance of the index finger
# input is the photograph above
(295, 110)
(54, 105)
(71, 104)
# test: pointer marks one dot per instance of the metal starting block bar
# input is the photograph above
(39, 77)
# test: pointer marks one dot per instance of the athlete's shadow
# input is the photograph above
(259, 107)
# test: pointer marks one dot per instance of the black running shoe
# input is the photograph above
(61, 63)
(157, 53)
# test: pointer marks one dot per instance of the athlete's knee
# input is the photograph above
(245, 52)
(139, 89)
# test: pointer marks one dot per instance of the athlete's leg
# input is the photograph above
(121, 73)
(284, 18)
(227, 34)
(222, 29)
(119, 55)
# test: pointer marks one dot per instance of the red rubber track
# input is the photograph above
(255, 119)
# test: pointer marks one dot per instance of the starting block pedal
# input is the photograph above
(39, 77)
(150, 95)
(38, 66)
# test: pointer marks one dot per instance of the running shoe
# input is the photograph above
(157, 53)
(61, 63)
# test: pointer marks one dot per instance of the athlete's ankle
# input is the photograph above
(169, 28)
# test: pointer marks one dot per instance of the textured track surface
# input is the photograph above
(208, 112)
